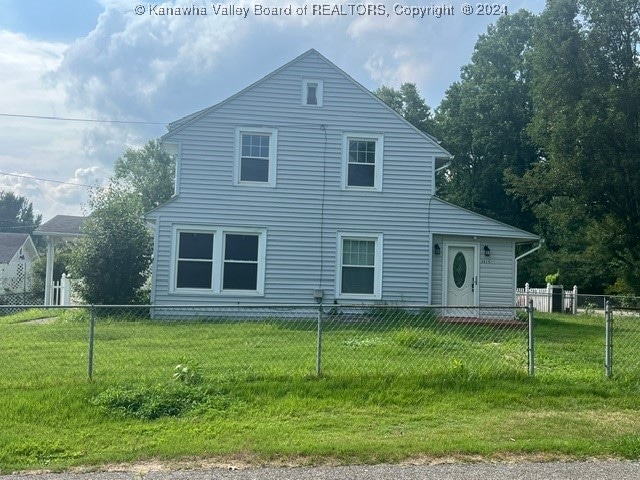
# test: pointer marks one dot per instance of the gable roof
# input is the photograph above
(10, 243)
(61, 226)
(178, 125)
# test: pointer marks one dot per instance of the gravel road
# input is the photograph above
(597, 470)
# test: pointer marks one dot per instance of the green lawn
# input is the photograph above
(402, 388)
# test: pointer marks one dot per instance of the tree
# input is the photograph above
(482, 121)
(586, 97)
(113, 257)
(408, 103)
(148, 172)
(16, 214)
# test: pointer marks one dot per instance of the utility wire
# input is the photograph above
(48, 180)
(71, 119)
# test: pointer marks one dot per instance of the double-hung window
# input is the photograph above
(219, 260)
(194, 267)
(255, 162)
(360, 265)
(362, 161)
(240, 270)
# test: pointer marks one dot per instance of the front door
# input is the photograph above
(461, 278)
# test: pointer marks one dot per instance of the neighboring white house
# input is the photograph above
(17, 252)
(306, 184)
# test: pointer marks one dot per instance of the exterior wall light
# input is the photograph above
(436, 249)
(487, 251)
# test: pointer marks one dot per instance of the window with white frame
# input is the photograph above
(360, 265)
(362, 161)
(219, 260)
(240, 270)
(256, 156)
(194, 266)
(312, 93)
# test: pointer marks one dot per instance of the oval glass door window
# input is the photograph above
(459, 269)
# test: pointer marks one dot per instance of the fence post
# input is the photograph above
(531, 339)
(608, 354)
(92, 327)
(526, 294)
(549, 298)
(574, 305)
(319, 343)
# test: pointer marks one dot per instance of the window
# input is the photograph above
(219, 260)
(256, 156)
(312, 93)
(240, 262)
(360, 258)
(195, 260)
(362, 161)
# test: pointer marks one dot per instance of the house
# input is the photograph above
(17, 252)
(306, 186)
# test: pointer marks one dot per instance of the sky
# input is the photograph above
(83, 80)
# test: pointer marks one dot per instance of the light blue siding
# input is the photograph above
(307, 207)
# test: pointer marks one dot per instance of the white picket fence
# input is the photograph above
(62, 292)
(543, 298)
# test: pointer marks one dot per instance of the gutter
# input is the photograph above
(515, 267)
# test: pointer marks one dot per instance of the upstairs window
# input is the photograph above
(312, 93)
(256, 157)
(362, 161)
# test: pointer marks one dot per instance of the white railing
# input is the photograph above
(543, 298)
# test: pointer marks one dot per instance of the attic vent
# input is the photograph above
(312, 93)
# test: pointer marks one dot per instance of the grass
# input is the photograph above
(249, 390)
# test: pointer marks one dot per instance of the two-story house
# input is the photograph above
(305, 184)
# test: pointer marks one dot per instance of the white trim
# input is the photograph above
(218, 233)
(445, 269)
(273, 148)
(319, 92)
(377, 278)
(378, 165)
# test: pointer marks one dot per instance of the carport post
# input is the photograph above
(608, 341)
(531, 339)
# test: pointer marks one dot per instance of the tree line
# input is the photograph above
(544, 126)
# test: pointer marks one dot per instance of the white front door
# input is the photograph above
(461, 279)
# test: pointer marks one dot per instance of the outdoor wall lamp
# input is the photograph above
(487, 251)
(436, 249)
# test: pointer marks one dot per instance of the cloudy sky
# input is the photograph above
(82, 80)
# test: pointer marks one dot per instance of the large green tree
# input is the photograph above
(482, 122)
(113, 257)
(407, 102)
(16, 214)
(586, 97)
(148, 172)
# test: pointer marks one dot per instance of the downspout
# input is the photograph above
(525, 254)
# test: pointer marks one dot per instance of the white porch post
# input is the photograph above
(48, 285)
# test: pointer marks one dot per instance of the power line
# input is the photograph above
(48, 180)
(71, 119)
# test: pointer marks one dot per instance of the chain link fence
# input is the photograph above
(51, 346)
(622, 339)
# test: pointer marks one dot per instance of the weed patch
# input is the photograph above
(150, 402)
